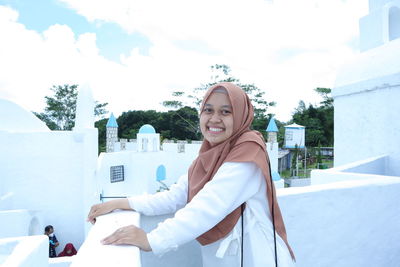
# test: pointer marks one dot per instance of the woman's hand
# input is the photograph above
(128, 235)
(107, 207)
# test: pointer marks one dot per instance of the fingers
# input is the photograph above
(127, 235)
(93, 213)
(116, 238)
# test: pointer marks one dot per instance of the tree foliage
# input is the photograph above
(317, 119)
(59, 113)
(222, 73)
(180, 124)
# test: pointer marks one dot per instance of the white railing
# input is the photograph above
(359, 170)
(353, 223)
(24, 251)
(93, 253)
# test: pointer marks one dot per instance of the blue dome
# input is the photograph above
(147, 129)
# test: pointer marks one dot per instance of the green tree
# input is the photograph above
(59, 113)
(222, 73)
(295, 157)
(101, 126)
(318, 120)
(174, 124)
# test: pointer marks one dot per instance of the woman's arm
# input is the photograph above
(162, 202)
(233, 184)
(107, 207)
(157, 204)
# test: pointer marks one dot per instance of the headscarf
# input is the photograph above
(244, 145)
(68, 247)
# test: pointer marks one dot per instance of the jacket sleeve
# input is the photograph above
(162, 202)
(233, 184)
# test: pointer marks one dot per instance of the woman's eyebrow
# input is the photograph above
(223, 106)
(227, 106)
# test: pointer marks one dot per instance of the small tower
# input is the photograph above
(112, 133)
(272, 131)
(294, 136)
(147, 139)
(273, 150)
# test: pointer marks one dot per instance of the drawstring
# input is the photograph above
(273, 222)
(241, 248)
(273, 214)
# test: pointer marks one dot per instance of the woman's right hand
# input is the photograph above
(107, 207)
(99, 209)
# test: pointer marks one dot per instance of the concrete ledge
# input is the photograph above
(349, 223)
(360, 170)
(28, 223)
(61, 261)
(294, 182)
(93, 253)
(25, 251)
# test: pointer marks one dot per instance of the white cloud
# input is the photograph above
(287, 48)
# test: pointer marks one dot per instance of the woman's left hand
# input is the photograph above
(128, 235)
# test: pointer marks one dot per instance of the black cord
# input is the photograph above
(241, 251)
(273, 214)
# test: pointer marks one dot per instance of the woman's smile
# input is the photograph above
(215, 130)
(216, 119)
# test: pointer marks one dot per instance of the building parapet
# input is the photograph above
(93, 253)
(337, 217)
(24, 251)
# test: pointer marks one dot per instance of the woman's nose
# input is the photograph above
(215, 117)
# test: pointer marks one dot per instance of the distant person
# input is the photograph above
(53, 242)
(227, 200)
(69, 250)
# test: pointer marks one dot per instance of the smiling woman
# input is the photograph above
(225, 201)
(216, 119)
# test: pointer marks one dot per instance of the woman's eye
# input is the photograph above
(207, 110)
(226, 112)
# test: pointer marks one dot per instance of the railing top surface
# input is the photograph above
(93, 253)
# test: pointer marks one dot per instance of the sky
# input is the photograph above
(134, 54)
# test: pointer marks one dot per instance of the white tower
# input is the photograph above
(366, 92)
(147, 139)
(84, 109)
(381, 25)
(273, 152)
(112, 133)
(294, 135)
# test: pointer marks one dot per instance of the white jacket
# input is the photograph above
(233, 184)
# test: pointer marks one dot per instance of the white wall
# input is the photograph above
(352, 223)
(15, 118)
(140, 171)
(192, 150)
(188, 254)
(24, 251)
(272, 150)
(93, 253)
(48, 172)
(20, 223)
(375, 27)
(366, 107)
(359, 170)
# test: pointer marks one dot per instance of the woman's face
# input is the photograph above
(216, 118)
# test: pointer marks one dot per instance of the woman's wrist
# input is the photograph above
(122, 204)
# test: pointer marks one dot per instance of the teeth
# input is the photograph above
(215, 129)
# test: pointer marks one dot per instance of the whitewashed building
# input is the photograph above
(349, 217)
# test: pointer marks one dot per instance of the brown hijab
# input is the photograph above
(244, 145)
